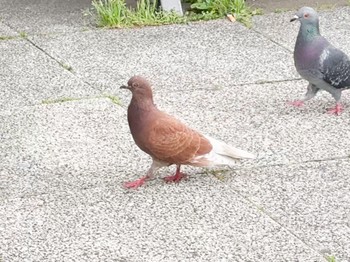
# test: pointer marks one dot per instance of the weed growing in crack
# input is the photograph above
(115, 13)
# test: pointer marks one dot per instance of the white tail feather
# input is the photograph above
(221, 154)
(224, 149)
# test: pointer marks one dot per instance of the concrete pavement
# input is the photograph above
(66, 149)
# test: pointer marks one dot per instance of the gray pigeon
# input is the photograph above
(317, 61)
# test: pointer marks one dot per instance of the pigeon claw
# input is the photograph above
(135, 184)
(296, 103)
(337, 110)
(175, 178)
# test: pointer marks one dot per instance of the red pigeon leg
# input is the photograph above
(137, 183)
(337, 110)
(296, 103)
(177, 177)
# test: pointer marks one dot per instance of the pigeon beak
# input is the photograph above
(125, 87)
(294, 18)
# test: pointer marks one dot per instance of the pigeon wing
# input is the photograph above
(171, 141)
(335, 67)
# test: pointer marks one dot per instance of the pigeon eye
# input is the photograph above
(306, 15)
(135, 85)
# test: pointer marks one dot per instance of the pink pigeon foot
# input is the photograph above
(135, 184)
(337, 110)
(296, 103)
(175, 178)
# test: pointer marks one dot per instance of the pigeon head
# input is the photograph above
(306, 15)
(309, 25)
(139, 87)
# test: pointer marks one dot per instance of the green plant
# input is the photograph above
(237, 8)
(146, 13)
(23, 34)
(67, 67)
(114, 13)
(59, 100)
(218, 173)
(281, 10)
(220, 7)
(7, 37)
(114, 99)
(111, 12)
(201, 5)
(331, 258)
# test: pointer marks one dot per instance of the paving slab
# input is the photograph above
(29, 76)
(42, 17)
(211, 53)
(44, 147)
(333, 25)
(63, 164)
(199, 220)
(311, 200)
(6, 32)
(62, 169)
(280, 5)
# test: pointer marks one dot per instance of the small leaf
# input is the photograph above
(201, 6)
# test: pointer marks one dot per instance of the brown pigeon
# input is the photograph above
(168, 141)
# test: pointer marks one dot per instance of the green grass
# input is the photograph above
(59, 100)
(111, 12)
(7, 37)
(217, 173)
(220, 8)
(67, 67)
(331, 259)
(115, 13)
(114, 99)
(281, 10)
(23, 34)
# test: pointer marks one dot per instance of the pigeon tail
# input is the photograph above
(221, 154)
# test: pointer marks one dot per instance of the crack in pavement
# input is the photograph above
(347, 157)
(260, 82)
(68, 68)
(273, 41)
(276, 221)
(62, 100)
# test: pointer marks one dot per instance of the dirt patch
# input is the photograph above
(286, 5)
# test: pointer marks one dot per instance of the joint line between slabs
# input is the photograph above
(295, 163)
(278, 223)
(273, 41)
(59, 62)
